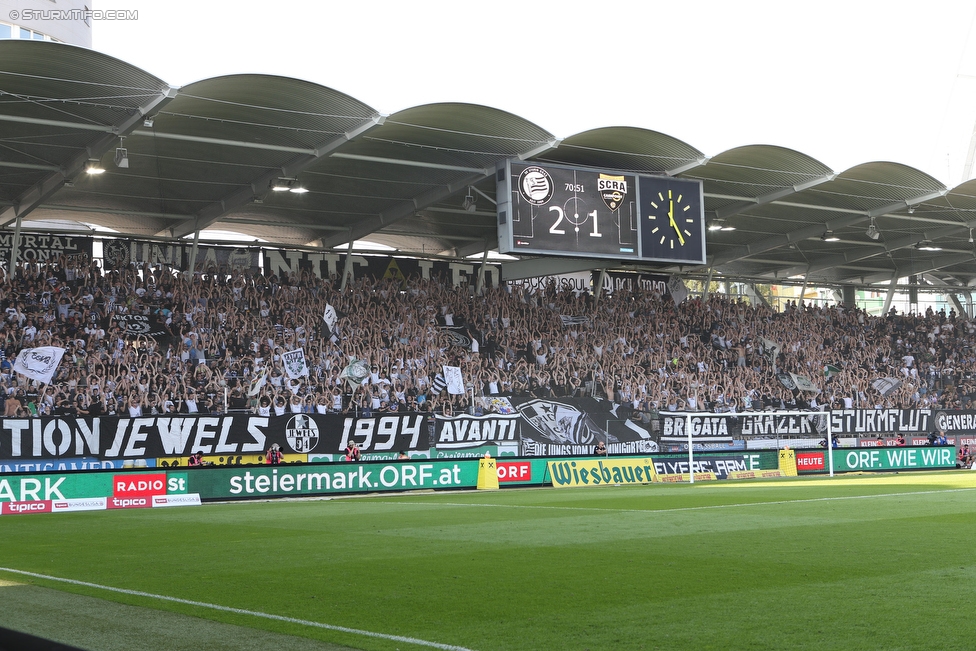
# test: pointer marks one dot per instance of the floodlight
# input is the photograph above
(470, 202)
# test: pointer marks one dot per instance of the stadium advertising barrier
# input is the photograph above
(71, 464)
(863, 459)
(118, 488)
(153, 488)
(720, 465)
(535, 427)
(269, 481)
(601, 472)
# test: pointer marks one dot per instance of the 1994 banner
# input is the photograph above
(165, 436)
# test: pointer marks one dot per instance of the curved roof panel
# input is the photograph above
(422, 179)
(625, 148)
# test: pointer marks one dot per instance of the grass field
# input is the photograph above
(860, 562)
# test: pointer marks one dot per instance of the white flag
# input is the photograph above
(771, 346)
(295, 366)
(39, 363)
(454, 379)
(677, 288)
(356, 372)
(803, 383)
(259, 380)
(331, 318)
(886, 385)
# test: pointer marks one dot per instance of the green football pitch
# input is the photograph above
(856, 562)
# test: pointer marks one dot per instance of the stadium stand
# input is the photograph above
(225, 335)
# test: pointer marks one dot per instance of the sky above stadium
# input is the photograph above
(846, 82)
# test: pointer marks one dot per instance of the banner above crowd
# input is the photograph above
(120, 253)
(43, 247)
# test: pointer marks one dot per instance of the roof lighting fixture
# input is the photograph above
(872, 231)
(122, 155)
(93, 167)
(283, 184)
(470, 202)
(926, 245)
(719, 224)
(829, 236)
(970, 236)
(287, 184)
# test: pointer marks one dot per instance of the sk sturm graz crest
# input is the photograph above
(116, 254)
(562, 423)
(302, 433)
(535, 185)
(295, 365)
(613, 190)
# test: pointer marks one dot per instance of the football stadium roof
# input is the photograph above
(422, 180)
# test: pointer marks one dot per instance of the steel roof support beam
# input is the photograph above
(681, 169)
(892, 286)
(30, 166)
(47, 186)
(407, 163)
(407, 208)
(759, 296)
(478, 246)
(816, 230)
(865, 253)
(369, 225)
(112, 211)
(210, 214)
(914, 268)
(77, 126)
(769, 197)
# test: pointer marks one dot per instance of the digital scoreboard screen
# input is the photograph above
(565, 211)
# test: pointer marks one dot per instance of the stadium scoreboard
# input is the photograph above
(566, 211)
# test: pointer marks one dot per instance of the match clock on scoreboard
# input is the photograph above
(565, 211)
(672, 221)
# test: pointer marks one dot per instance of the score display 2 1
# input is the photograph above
(555, 210)
(573, 211)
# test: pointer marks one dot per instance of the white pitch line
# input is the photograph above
(241, 611)
(682, 508)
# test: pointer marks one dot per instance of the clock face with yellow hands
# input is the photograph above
(672, 227)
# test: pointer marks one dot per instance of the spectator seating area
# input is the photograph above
(223, 331)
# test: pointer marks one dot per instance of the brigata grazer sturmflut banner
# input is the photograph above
(151, 437)
(843, 422)
(749, 424)
(538, 427)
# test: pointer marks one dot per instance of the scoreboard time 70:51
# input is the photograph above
(566, 211)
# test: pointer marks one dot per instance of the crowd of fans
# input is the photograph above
(223, 331)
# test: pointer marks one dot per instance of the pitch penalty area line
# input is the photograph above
(241, 611)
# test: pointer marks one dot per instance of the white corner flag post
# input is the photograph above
(691, 452)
